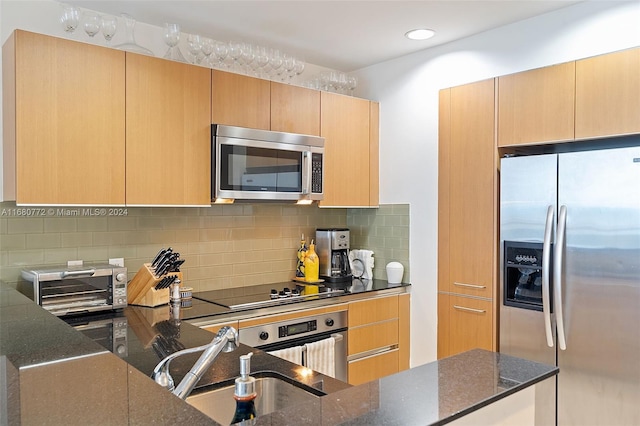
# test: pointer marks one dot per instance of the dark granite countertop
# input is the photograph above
(57, 375)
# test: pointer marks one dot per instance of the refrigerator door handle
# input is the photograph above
(558, 258)
(546, 263)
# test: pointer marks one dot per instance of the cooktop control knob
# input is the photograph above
(274, 293)
(328, 322)
(263, 335)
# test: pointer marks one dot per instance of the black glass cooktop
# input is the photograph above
(261, 295)
(242, 298)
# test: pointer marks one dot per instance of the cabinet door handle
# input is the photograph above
(463, 308)
(469, 285)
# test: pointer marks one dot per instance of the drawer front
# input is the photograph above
(375, 310)
(370, 337)
(373, 367)
(471, 324)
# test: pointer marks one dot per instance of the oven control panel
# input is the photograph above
(282, 331)
(301, 327)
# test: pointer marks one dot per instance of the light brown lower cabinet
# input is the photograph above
(378, 337)
(464, 323)
(373, 367)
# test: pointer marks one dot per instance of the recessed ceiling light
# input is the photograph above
(419, 34)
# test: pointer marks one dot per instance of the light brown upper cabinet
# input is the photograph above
(295, 109)
(168, 110)
(64, 121)
(240, 100)
(350, 175)
(536, 106)
(608, 95)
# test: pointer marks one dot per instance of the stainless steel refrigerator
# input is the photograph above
(570, 280)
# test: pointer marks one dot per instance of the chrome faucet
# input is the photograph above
(225, 341)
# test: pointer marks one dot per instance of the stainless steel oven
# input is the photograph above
(301, 331)
(66, 290)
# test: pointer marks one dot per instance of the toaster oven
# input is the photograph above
(69, 290)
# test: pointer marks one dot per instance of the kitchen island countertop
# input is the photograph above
(56, 375)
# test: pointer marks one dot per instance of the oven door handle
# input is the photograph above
(71, 274)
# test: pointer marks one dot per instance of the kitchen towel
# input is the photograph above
(321, 356)
(364, 256)
(293, 354)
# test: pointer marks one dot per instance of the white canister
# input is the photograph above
(395, 270)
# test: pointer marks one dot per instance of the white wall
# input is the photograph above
(407, 89)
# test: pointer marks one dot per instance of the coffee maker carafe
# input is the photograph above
(332, 247)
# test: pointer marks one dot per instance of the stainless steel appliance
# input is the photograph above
(65, 290)
(261, 165)
(570, 281)
(297, 332)
(108, 331)
(332, 247)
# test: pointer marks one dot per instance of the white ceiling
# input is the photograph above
(341, 35)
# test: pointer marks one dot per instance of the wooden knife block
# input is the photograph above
(141, 289)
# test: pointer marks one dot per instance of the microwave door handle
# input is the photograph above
(546, 263)
(306, 172)
(88, 272)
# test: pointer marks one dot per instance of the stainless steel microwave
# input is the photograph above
(261, 165)
(66, 290)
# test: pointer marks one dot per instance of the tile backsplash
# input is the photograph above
(224, 246)
(385, 231)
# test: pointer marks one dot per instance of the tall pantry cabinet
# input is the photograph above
(467, 187)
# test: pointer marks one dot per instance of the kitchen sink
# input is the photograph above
(274, 394)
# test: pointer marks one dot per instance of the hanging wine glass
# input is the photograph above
(207, 51)
(248, 58)
(70, 18)
(109, 26)
(299, 69)
(221, 51)
(261, 60)
(171, 38)
(91, 23)
(352, 83)
(288, 65)
(195, 47)
(275, 63)
(235, 53)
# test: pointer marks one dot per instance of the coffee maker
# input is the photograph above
(332, 247)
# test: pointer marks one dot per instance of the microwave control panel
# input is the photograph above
(316, 173)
